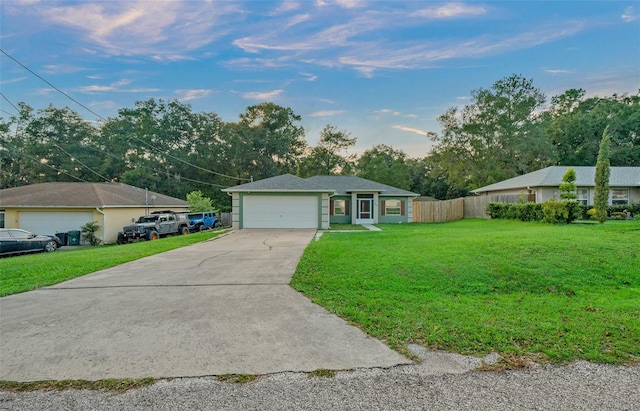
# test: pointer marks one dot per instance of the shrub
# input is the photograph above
(89, 230)
(517, 211)
(554, 211)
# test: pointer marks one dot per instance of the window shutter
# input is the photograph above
(331, 207)
(382, 207)
(346, 207)
(401, 207)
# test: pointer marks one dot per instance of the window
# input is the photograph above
(619, 196)
(339, 207)
(392, 207)
(583, 195)
(2, 219)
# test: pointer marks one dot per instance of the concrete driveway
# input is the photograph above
(218, 307)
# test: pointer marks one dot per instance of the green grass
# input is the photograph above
(29, 272)
(561, 292)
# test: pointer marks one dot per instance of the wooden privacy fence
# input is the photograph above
(438, 211)
(467, 207)
(225, 219)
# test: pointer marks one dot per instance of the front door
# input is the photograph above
(365, 211)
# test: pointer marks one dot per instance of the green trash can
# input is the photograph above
(73, 237)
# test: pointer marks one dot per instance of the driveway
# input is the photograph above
(218, 307)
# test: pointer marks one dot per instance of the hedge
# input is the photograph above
(534, 211)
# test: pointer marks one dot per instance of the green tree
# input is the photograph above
(574, 125)
(330, 156)
(603, 171)
(498, 136)
(271, 141)
(385, 165)
(198, 202)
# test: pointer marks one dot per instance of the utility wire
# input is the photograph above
(82, 164)
(154, 170)
(48, 165)
(9, 101)
(104, 119)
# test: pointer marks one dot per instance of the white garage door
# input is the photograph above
(280, 212)
(51, 222)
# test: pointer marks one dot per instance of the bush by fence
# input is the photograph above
(555, 212)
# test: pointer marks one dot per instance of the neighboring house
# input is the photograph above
(287, 201)
(50, 208)
(624, 184)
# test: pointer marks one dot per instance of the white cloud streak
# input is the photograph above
(188, 95)
(450, 11)
(326, 113)
(262, 95)
(411, 130)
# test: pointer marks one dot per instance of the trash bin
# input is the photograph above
(62, 237)
(73, 237)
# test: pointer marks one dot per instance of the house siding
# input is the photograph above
(110, 219)
(342, 219)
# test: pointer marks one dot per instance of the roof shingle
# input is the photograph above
(552, 177)
(84, 195)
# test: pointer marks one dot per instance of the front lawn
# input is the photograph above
(28, 272)
(556, 292)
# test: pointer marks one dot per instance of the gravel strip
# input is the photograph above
(579, 386)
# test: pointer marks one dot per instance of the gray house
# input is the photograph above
(624, 184)
(287, 201)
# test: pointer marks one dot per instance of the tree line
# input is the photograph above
(505, 131)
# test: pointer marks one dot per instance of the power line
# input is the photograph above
(82, 164)
(48, 165)
(104, 119)
(9, 101)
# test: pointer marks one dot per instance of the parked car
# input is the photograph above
(16, 241)
(203, 220)
(154, 226)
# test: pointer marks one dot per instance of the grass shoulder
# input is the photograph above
(29, 272)
(561, 292)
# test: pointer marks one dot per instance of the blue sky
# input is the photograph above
(383, 71)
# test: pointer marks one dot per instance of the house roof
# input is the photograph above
(83, 195)
(552, 177)
(348, 184)
(281, 183)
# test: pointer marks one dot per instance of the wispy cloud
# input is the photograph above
(117, 86)
(326, 113)
(13, 80)
(559, 71)
(451, 10)
(262, 95)
(187, 95)
(140, 27)
(412, 130)
(61, 69)
(629, 15)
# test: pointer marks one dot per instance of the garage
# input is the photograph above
(280, 211)
(51, 222)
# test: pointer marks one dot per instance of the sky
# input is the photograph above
(382, 71)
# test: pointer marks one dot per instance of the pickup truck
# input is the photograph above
(154, 226)
(202, 221)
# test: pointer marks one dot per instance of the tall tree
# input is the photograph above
(498, 136)
(275, 139)
(385, 165)
(575, 124)
(603, 171)
(330, 156)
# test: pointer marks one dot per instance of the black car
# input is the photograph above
(16, 241)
